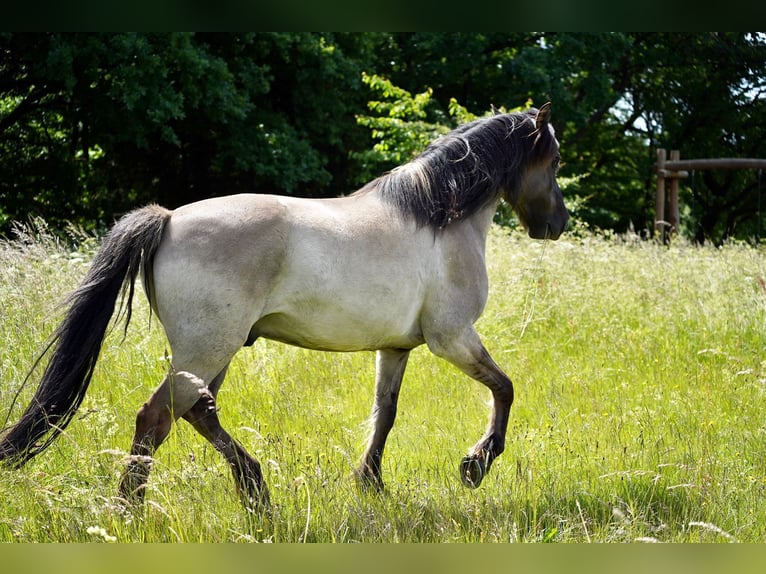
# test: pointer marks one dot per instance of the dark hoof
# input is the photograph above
(127, 504)
(258, 502)
(368, 482)
(472, 471)
(255, 496)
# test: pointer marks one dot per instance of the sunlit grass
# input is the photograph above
(639, 373)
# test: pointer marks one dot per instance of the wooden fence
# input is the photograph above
(666, 209)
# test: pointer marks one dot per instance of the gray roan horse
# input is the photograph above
(396, 264)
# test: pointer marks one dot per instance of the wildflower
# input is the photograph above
(98, 531)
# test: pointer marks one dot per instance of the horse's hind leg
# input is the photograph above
(469, 355)
(246, 470)
(389, 371)
(178, 392)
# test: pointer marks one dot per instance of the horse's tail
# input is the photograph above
(76, 343)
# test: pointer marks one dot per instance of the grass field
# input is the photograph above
(640, 413)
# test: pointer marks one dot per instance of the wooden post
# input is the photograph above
(659, 205)
(676, 168)
(674, 215)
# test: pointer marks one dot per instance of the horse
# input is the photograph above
(397, 264)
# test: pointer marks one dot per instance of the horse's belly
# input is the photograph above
(340, 331)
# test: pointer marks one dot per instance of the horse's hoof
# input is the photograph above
(368, 482)
(257, 502)
(471, 471)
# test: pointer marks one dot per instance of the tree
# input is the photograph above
(584, 75)
(705, 95)
(616, 98)
(93, 124)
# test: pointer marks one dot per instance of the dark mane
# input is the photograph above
(460, 173)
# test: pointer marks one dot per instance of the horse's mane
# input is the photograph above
(461, 172)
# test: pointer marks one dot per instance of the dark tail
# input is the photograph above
(76, 343)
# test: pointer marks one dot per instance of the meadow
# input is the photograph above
(640, 413)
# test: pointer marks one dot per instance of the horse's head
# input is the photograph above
(538, 202)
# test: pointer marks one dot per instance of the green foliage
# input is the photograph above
(616, 97)
(93, 124)
(639, 412)
(399, 126)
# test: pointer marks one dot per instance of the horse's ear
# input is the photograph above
(495, 111)
(543, 116)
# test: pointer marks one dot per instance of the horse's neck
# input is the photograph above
(469, 236)
(480, 222)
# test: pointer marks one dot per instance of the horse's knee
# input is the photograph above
(202, 410)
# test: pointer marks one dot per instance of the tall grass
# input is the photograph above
(640, 413)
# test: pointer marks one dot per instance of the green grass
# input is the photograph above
(640, 413)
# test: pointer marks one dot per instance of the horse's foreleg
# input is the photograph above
(246, 470)
(177, 393)
(470, 356)
(389, 371)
